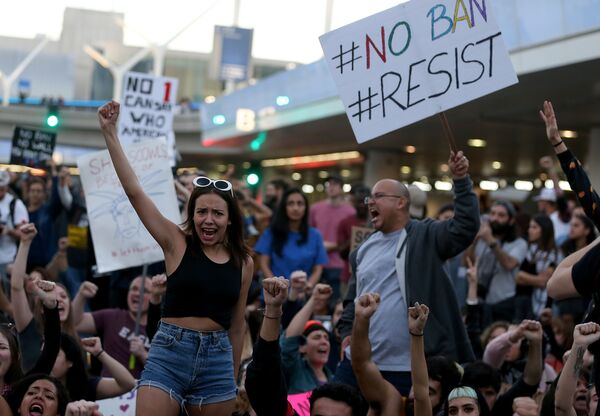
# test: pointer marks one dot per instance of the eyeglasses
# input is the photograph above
(219, 184)
(379, 196)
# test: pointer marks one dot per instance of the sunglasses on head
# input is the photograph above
(219, 184)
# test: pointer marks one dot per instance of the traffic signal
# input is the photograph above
(258, 141)
(52, 117)
(254, 175)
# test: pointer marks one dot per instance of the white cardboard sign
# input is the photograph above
(415, 60)
(118, 406)
(120, 239)
(147, 106)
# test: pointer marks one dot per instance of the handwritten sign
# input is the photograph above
(118, 406)
(300, 403)
(31, 147)
(415, 60)
(120, 239)
(147, 107)
(359, 234)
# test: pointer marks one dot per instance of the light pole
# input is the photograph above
(230, 84)
(328, 15)
(8, 80)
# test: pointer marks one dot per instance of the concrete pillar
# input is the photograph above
(592, 161)
(381, 164)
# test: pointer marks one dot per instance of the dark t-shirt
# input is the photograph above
(116, 327)
(30, 342)
(586, 271)
(503, 405)
(91, 388)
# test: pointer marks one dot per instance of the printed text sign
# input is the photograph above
(415, 60)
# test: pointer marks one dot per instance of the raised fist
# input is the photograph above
(275, 290)
(93, 345)
(108, 115)
(586, 334)
(366, 305)
(28, 232)
(88, 289)
(417, 318)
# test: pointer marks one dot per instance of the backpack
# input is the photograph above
(11, 210)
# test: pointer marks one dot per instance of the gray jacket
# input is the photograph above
(429, 243)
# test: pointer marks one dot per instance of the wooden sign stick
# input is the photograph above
(448, 132)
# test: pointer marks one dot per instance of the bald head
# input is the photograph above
(389, 205)
(394, 187)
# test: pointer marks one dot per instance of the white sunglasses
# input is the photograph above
(219, 184)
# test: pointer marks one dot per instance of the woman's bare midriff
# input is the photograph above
(194, 323)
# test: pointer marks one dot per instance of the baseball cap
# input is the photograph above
(4, 178)
(546, 195)
(312, 326)
(418, 201)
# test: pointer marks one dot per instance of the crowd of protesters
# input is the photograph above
(467, 313)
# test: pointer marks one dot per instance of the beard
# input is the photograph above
(500, 229)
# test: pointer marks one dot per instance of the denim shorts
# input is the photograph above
(193, 367)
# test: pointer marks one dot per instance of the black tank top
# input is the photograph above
(202, 288)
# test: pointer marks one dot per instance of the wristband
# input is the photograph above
(99, 354)
(493, 244)
(558, 144)
(264, 313)
(415, 335)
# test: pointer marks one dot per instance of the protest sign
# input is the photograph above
(31, 147)
(359, 234)
(300, 403)
(171, 148)
(147, 106)
(118, 406)
(415, 60)
(120, 239)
